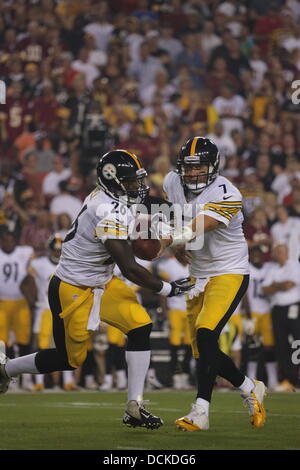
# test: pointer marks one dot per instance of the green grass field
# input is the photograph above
(81, 420)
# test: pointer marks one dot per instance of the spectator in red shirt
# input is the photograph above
(32, 176)
(197, 111)
(175, 16)
(37, 231)
(45, 107)
(14, 115)
(14, 71)
(33, 47)
(141, 144)
(68, 72)
(218, 76)
(257, 232)
(9, 45)
(265, 26)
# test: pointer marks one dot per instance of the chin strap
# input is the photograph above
(196, 191)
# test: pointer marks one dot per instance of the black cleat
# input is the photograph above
(137, 416)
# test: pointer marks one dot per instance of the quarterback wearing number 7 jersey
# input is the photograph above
(84, 287)
(220, 271)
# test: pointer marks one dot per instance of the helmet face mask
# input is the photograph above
(121, 176)
(195, 176)
(135, 189)
(198, 164)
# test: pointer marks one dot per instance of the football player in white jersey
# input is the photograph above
(42, 269)
(220, 269)
(179, 335)
(84, 287)
(15, 313)
(260, 314)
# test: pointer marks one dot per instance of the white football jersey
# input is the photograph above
(13, 269)
(224, 250)
(288, 234)
(170, 270)
(290, 271)
(257, 301)
(42, 269)
(84, 259)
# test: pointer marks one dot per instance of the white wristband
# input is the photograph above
(182, 237)
(166, 289)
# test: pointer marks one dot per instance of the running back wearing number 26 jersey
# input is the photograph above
(84, 259)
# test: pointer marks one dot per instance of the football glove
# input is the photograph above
(180, 287)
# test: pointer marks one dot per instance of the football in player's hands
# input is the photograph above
(150, 225)
(145, 249)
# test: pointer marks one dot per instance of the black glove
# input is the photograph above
(180, 287)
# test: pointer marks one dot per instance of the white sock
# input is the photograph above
(121, 378)
(138, 364)
(247, 386)
(204, 403)
(39, 379)
(108, 380)
(89, 380)
(151, 373)
(271, 368)
(26, 380)
(21, 365)
(252, 369)
(67, 377)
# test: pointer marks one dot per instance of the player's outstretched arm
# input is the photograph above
(189, 232)
(123, 255)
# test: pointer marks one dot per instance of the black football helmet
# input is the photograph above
(117, 170)
(198, 151)
(54, 246)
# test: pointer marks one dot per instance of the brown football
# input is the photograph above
(145, 249)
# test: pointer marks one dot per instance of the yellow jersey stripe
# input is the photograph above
(110, 231)
(112, 223)
(231, 210)
(134, 158)
(112, 227)
(225, 211)
(221, 213)
(193, 146)
(229, 203)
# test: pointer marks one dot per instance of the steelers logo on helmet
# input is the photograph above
(121, 176)
(198, 164)
(109, 171)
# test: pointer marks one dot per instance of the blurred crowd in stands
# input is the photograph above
(85, 76)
